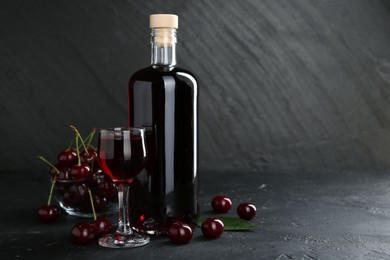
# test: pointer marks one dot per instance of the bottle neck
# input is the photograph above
(163, 48)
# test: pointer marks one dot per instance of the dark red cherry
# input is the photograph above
(180, 233)
(82, 233)
(48, 213)
(53, 171)
(79, 172)
(67, 157)
(94, 179)
(62, 186)
(88, 156)
(76, 195)
(246, 211)
(221, 204)
(64, 172)
(107, 188)
(212, 227)
(101, 226)
(99, 203)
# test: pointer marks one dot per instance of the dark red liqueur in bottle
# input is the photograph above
(163, 100)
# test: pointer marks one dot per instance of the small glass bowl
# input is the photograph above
(74, 198)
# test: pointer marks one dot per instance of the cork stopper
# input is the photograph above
(164, 21)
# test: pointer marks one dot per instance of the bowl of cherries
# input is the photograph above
(76, 172)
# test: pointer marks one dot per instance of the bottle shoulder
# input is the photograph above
(151, 74)
(184, 72)
(143, 72)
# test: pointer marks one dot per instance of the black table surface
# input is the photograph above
(299, 216)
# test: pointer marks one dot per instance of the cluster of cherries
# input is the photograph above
(75, 174)
(212, 227)
(83, 233)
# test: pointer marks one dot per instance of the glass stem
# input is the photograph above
(124, 227)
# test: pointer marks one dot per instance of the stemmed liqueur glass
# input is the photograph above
(122, 155)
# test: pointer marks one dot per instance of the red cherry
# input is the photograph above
(67, 157)
(88, 156)
(246, 211)
(79, 172)
(48, 213)
(82, 233)
(76, 195)
(62, 187)
(99, 203)
(180, 233)
(107, 188)
(94, 179)
(64, 172)
(212, 227)
(53, 171)
(221, 204)
(101, 226)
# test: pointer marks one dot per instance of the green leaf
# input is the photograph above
(230, 223)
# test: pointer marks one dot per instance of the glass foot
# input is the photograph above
(122, 241)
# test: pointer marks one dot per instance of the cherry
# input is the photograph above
(180, 233)
(68, 200)
(95, 178)
(246, 211)
(88, 156)
(48, 213)
(67, 157)
(82, 233)
(76, 195)
(54, 170)
(62, 172)
(99, 202)
(212, 227)
(221, 204)
(107, 188)
(57, 170)
(101, 226)
(80, 172)
(62, 186)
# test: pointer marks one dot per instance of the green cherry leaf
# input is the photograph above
(230, 223)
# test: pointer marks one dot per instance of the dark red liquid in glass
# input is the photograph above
(164, 102)
(121, 159)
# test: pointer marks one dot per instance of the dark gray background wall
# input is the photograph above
(284, 85)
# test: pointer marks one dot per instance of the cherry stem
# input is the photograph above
(51, 190)
(49, 163)
(78, 134)
(70, 144)
(90, 136)
(87, 138)
(93, 206)
(78, 150)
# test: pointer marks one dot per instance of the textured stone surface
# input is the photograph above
(335, 216)
(284, 85)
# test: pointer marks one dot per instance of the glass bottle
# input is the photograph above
(163, 99)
